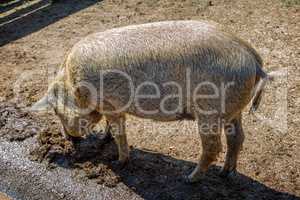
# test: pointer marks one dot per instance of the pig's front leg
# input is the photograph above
(68, 136)
(117, 129)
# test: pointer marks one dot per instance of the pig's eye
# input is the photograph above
(55, 110)
(94, 113)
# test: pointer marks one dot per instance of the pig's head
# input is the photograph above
(59, 98)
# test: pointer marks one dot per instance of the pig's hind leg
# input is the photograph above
(235, 138)
(210, 133)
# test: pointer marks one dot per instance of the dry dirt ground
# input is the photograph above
(35, 38)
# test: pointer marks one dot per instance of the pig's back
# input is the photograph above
(163, 51)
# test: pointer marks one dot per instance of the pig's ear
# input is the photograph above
(52, 99)
(47, 101)
(42, 105)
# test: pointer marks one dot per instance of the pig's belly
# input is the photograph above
(160, 111)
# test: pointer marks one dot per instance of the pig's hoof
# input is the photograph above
(73, 139)
(120, 164)
(107, 137)
(192, 179)
(228, 173)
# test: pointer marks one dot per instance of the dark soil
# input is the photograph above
(15, 123)
(82, 154)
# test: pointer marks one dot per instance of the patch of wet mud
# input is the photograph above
(16, 124)
(94, 154)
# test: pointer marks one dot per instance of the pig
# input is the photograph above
(164, 71)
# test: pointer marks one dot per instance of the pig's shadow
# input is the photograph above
(157, 176)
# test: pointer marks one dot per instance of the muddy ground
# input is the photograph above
(34, 45)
